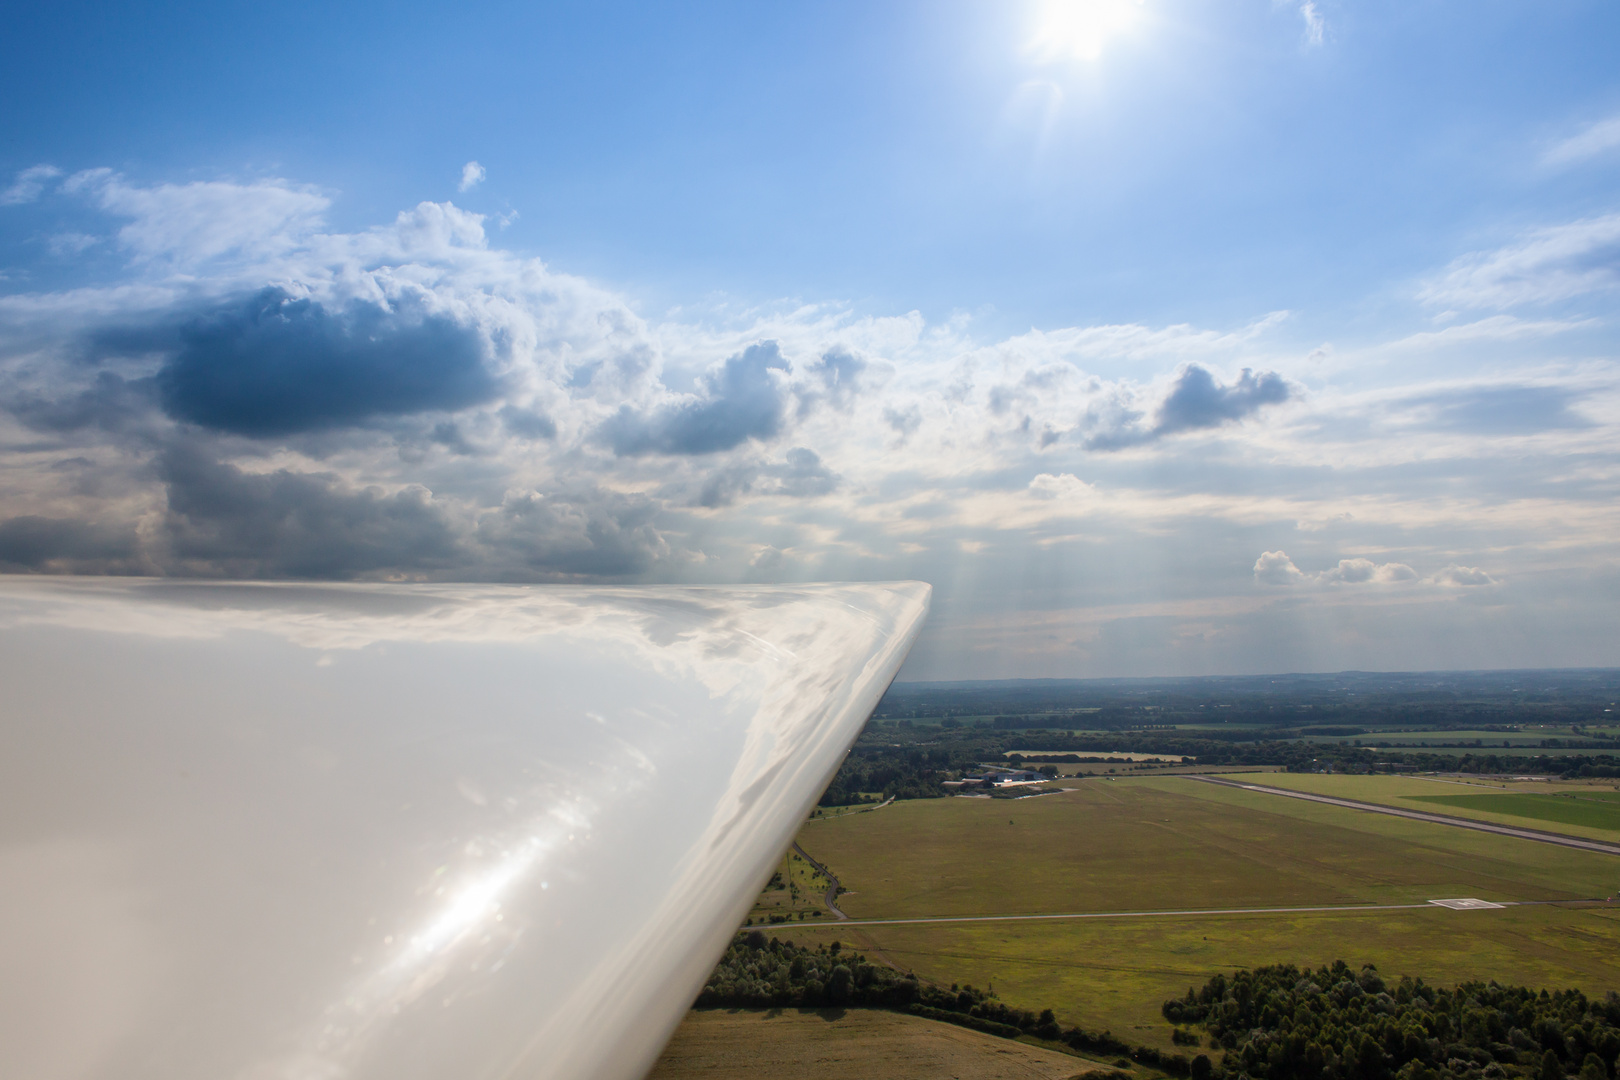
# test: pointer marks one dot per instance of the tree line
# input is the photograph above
(1284, 1023)
(761, 972)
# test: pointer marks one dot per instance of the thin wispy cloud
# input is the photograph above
(29, 185)
(1595, 140)
(472, 174)
(1548, 265)
(1314, 23)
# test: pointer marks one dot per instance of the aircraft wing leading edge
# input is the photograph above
(323, 832)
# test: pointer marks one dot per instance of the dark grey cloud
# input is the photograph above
(1198, 401)
(63, 545)
(276, 365)
(1505, 410)
(741, 401)
(111, 403)
(800, 474)
(224, 521)
(580, 534)
(1195, 402)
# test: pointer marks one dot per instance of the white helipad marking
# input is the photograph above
(1466, 904)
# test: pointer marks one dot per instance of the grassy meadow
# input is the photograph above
(1166, 843)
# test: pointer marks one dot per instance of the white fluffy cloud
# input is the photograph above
(472, 174)
(1276, 568)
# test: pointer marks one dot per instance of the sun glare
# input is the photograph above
(1070, 29)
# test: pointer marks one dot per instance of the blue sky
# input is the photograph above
(1163, 337)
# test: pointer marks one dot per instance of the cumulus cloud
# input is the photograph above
(225, 521)
(274, 364)
(472, 174)
(800, 474)
(31, 544)
(1365, 571)
(1276, 568)
(835, 377)
(29, 185)
(587, 533)
(1594, 140)
(256, 394)
(741, 400)
(1064, 486)
(1195, 401)
(1463, 577)
(1547, 265)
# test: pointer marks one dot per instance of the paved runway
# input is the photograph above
(1418, 815)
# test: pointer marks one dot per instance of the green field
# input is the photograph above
(1597, 811)
(1115, 974)
(1403, 791)
(1166, 843)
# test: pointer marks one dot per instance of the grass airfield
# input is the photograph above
(1167, 843)
(1150, 843)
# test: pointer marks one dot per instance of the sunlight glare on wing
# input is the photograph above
(1078, 29)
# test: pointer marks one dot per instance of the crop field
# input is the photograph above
(794, 1044)
(1170, 844)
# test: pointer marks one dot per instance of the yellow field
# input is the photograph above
(790, 1044)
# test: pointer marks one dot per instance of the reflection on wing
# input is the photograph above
(299, 832)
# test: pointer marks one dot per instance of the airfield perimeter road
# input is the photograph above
(1418, 815)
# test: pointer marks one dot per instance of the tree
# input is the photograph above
(1201, 1067)
(838, 984)
(1593, 1068)
(1551, 1067)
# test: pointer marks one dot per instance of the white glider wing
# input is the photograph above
(301, 832)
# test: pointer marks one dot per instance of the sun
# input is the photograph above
(1078, 29)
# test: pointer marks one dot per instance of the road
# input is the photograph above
(831, 897)
(1419, 815)
(1179, 912)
